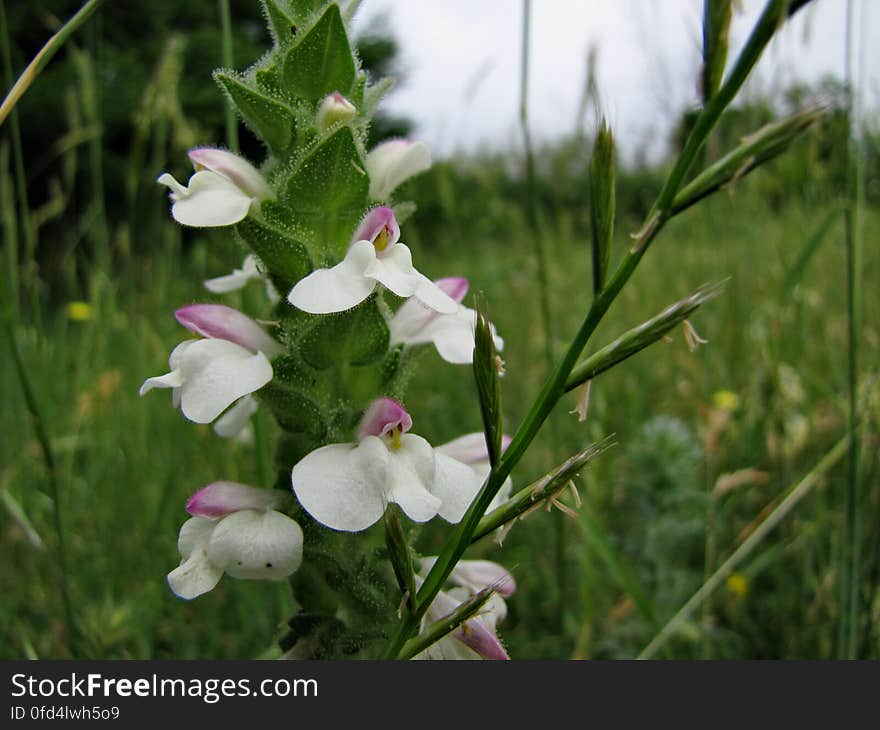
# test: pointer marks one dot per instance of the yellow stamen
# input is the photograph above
(396, 442)
(382, 239)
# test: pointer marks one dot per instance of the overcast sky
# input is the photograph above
(462, 62)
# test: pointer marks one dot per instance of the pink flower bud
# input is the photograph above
(225, 323)
(384, 416)
(223, 498)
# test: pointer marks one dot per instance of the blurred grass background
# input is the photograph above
(93, 268)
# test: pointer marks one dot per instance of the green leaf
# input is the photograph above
(374, 92)
(302, 10)
(285, 258)
(281, 25)
(294, 412)
(322, 62)
(328, 192)
(271, 120)
(486, 367)
(357, 337)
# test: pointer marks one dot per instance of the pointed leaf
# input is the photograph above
(281, 25)
(302, 10)
(602, 204)
(486, 368)
(329, 189)
(322, 62)
(374, 92)
(270, 119)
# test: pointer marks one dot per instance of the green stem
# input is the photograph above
(559, 527)
(20, 179)
(226, 29)
(554, 387)
(849, 615)
(44, 56)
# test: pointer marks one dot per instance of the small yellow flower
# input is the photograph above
(79, 311)
(737, 584)
(725, 400)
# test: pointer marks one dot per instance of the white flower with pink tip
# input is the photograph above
(209, 375)
(220, 192)
(393, 162)
(374, 257)
(348, 486)
(237, 530)
(477, 637)
(452, 334)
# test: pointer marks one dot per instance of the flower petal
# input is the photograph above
(174, 379)
(194, 576)
(195, 532)
(216, 374)
(257, 544)
(343, 486)
(337, 289)
(433, 296)
(236, 169)
(225, 323)
(237, 279)
(392, 162)
(222, 498)
(210, 200)
(394, 270)
(383, 416)
(473, 633)
(236, 419)
(475, 575)
(456, 485)
(410, 480)
(468, 449)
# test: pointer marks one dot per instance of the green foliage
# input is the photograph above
(321, 62)
(271, 120)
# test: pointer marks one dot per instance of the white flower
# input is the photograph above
(235, 529)
(452, 334)
(248, 272)
(374, 257)
(220, 192)
(349, 486)
(391, 163)
(476, 638)
(207, 376)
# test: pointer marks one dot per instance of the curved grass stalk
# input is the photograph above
(44, 56)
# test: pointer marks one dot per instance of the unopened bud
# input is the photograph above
(334, 109)
(602, 204)
(716, 32)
